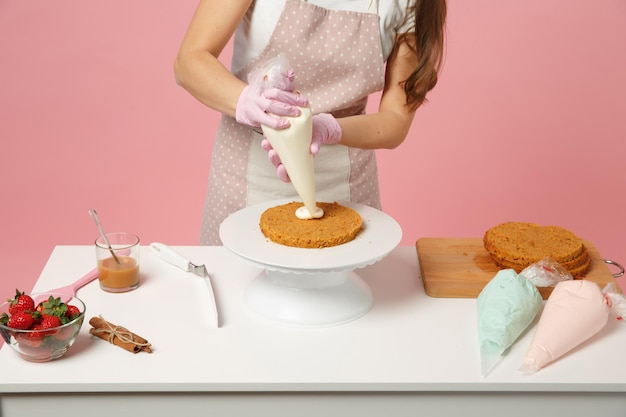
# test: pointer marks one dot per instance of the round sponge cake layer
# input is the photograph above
(339, 225)
(517, 245)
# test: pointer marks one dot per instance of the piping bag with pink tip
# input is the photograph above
(575, 311)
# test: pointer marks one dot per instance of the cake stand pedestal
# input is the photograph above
(311, 300)
(309, 287)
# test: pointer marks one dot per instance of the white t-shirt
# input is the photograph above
(254, 32)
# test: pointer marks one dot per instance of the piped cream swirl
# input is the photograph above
(303, 213)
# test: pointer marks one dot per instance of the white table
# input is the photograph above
(410, 355)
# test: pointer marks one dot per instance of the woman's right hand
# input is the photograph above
(267, 106)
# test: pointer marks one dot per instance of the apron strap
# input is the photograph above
(373, 7)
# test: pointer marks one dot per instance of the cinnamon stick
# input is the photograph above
(118, 336)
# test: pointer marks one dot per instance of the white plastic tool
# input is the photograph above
(171, 256)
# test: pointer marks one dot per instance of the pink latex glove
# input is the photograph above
(272, 155)
(267, 104)
(326, 131)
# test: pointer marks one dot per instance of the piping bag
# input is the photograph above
(575, 311)
(293, 143)
(506, 307)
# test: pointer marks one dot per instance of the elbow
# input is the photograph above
(394, 141)
(178, 71)
(396, 129)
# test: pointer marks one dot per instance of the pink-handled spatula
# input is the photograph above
(71, 289)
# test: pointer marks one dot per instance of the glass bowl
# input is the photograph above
(43, 345)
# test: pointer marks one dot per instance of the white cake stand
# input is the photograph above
(309, 287)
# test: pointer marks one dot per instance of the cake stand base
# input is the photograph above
(309, 299)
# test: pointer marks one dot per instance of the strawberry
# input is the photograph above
(37, 317)
(72, 312)
(32, 339)
(21, 320)
(21, 302)
(36, 335)
(54, 307)
(48, 322)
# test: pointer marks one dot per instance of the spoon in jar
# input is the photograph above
(96, 220)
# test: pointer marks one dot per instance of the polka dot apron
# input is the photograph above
(338, 61)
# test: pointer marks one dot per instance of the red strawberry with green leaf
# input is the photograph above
(72, 312)
(21, 302)
(20, 320)
(54, 307)
(37, 317)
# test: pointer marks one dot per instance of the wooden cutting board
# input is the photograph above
(460, 268)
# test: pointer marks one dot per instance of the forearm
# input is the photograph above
(383, 130)
(387, 128)
(197, 67)
(206, 79)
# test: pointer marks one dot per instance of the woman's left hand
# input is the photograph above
(326, 131)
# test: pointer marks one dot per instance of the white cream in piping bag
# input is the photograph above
(292, 146)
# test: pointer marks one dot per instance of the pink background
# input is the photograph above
(527, 123)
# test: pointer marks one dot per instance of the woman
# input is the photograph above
(341, 51)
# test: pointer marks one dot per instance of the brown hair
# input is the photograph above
(427, 43)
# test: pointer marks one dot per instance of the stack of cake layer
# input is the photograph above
(516, 245)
